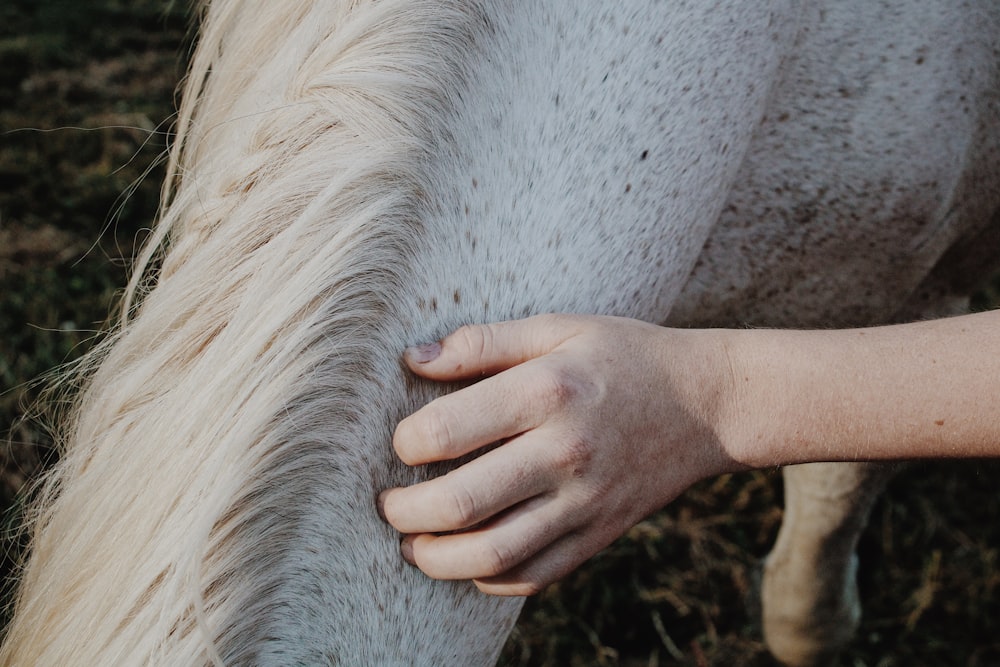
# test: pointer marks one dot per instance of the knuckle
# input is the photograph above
(552, 320)
(563, 388)
(575, 456)
(434, 433)
(462, 510)
(558, 388)
(495, 559)
(476, 340)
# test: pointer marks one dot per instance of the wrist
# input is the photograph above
(706, 371)
(751, 415)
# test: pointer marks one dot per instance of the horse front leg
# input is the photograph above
(809, 594)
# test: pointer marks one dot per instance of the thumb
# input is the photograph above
(475, 350)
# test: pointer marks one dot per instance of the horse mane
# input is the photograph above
(251, 336)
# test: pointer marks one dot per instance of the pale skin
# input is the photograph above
(604, 420)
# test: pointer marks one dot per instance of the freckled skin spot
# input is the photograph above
(939, 422)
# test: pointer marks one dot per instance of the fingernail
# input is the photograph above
(421, 354)
(406, 548)
(380, 506)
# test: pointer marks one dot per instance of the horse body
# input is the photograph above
(869, 195)
(877, 155)
(355, 177)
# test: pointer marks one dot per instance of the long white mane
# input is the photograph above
(235, 386)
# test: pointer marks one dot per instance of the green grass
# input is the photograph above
(83, 86)
(65, 225)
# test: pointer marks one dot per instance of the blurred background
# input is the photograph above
(87, 94)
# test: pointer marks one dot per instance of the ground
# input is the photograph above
(86, 97)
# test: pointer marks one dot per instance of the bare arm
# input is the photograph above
(607, 419)
(922, 390)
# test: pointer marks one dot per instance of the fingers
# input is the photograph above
(519, 520)
(519, 554)
(517, 508)
(497, 408)
(485, 349)
(462, 422)
(517, 471)
(546, 567)
(500, 407)
(490, 550)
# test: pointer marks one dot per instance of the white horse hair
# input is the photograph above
(352, 176)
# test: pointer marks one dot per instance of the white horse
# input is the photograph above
(354, 176)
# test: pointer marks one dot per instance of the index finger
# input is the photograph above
(475, 350)
(496, 408)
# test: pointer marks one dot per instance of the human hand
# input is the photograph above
(604, 421)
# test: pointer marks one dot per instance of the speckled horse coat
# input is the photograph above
(351, 177)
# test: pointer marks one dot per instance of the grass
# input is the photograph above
(86, 90)
(78, 119)
(678, 590)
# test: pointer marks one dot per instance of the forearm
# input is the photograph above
(927, 389)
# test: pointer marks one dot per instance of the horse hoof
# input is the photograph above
(806, 624)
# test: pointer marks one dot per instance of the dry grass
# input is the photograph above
(680, 588)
